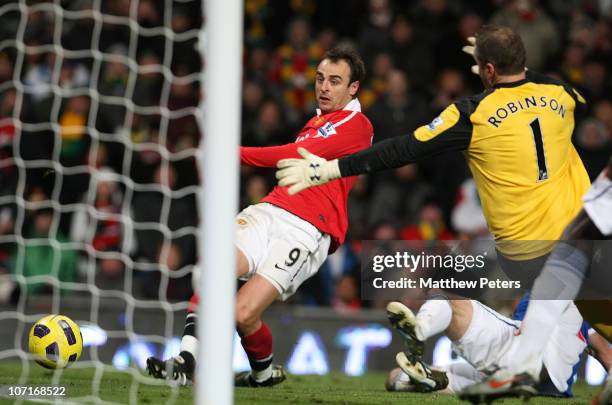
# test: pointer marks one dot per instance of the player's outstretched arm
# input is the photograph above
(451, 130)
(399, 151)
(350, 137)
(313, 170)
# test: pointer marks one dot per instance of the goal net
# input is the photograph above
(99, 135)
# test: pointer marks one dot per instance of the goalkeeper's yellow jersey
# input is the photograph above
(529, 176)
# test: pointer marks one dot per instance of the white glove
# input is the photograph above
(310, 171)
(469, 49)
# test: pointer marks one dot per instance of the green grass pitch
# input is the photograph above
(331, 389)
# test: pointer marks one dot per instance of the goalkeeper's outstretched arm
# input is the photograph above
(452, 130)
(397, 152)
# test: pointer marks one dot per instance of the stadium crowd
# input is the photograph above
(412, 51)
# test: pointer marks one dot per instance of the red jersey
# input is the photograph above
(330, 136)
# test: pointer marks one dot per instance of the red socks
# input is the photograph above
(258, 347)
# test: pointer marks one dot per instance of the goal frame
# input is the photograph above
(221, 45)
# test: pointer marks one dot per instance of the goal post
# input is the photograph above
(221, 110)
(101, 97)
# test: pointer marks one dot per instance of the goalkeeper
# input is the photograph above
(284, 240)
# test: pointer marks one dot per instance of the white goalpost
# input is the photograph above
(101, 96)
(222, 83)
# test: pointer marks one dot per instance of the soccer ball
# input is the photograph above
(55, 341)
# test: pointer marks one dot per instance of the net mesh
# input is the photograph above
(99, 133)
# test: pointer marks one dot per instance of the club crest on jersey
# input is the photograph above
(326, 130)
(435, 123)
(318, 121)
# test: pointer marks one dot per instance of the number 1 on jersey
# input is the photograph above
(539, 145)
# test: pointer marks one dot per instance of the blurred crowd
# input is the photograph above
(121, 113)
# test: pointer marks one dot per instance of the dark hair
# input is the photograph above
(352, 58)
(502, 47)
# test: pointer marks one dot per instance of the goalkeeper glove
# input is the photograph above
(469, 49)
(301, 174)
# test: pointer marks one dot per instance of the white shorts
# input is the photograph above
(487, 339)
(279, 246)
(598, 204)
(490, 341)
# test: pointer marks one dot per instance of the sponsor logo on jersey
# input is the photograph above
(241, 221)
(435, 123)
(326, 130)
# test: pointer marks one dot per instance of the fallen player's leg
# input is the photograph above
(459, 376)
(423, 377)
(558, 358)
(485, 339)
(434, 317)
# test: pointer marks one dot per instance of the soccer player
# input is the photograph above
(516, 137)
(484, 338)
(283, 241)
(561, 279)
